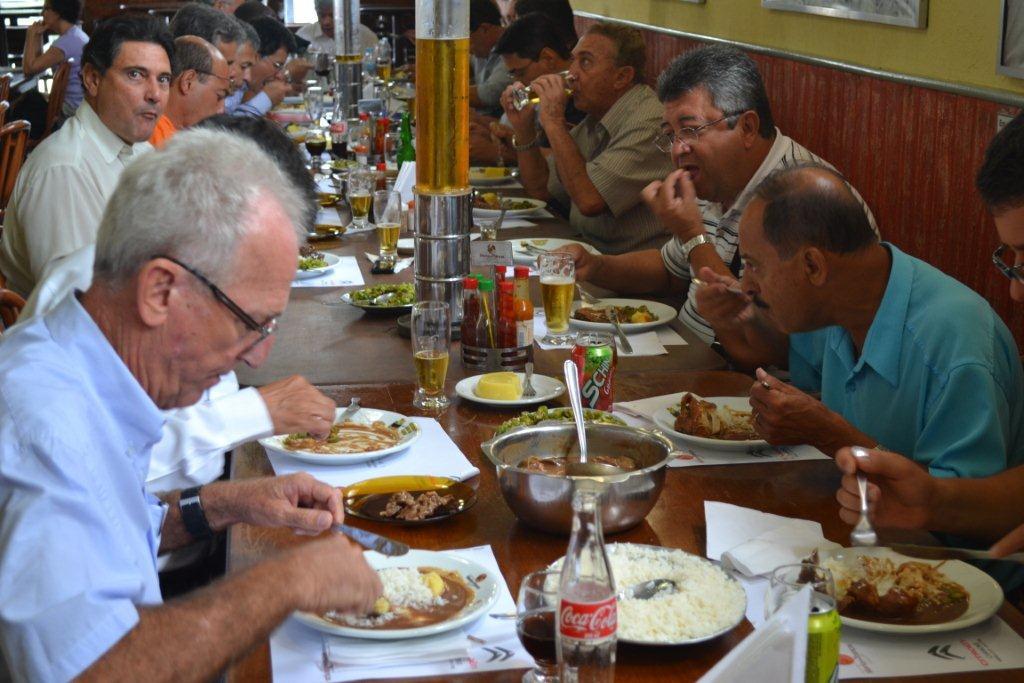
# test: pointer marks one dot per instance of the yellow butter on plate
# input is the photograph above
(499, 386)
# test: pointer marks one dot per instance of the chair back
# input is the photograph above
(10, 308)
(56, 102)
(13, 137)
(4, 106)
(5, 87)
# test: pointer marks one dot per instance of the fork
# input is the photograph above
(587, 297)
(528, 390)
(863, 533)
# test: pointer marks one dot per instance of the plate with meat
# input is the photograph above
(367, 435)
(408, 499)
(490, 204)
(877, 589)
(718, 422)
(635, 315)
(314, 263)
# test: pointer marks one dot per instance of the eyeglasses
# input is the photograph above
(209, 73)
(687, 136)
(1015, 272)
(265, 330)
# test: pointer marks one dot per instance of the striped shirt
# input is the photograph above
(621, 161)
(723, 227)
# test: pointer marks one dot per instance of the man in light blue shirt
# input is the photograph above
(904, 356)
(81, 389)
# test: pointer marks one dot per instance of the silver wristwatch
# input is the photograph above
(694, 242)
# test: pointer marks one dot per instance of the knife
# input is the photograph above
(938, 552)
(372, 541)
(613, 316)
(353, 408)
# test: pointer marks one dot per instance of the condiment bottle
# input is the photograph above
(487, 308)
(362, 148)
(523, 307)
(499, 273)
(506, 315)
(382, 176)
(470, 312)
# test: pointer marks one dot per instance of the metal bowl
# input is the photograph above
(545, 501)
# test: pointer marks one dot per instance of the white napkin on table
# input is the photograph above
(328, 216)
(406, 181)
(755, 543)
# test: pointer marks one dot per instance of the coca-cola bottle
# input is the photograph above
(587, 613)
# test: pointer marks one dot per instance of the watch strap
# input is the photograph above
(192, 515)
(694, 242)
(530, 145)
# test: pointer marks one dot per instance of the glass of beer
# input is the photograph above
(431, 336)
(387, 212)
(525, 96)
(557, 279)
(360, 195)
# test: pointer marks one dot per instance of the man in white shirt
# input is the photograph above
(320, 34)
(60, 193)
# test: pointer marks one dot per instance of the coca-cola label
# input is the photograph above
(588, 620)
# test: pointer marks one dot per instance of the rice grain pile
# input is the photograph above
(403, 587)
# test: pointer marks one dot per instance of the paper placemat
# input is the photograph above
(644, 343)
(299, 653)
(345, 274)
(434, 453)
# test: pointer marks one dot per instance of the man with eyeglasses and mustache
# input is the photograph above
(198, 87)
(719, 131)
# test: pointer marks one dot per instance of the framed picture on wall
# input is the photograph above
(912, 13)
(1011, 43)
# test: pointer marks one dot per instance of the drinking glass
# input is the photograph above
(360, 193)
(557, 280)
(525, 96)
(535, 624)
(823, 623)
(316, 145)
(314, 98)
(387, 212)
(431, 336)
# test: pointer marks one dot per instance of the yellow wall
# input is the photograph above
(958, 46)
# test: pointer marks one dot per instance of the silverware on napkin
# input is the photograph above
(372, 541)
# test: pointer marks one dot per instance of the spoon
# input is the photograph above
(863, 533)
(582, 468)
(648, 589)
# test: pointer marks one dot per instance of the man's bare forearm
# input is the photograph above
(194, 638)
(638, 272)
(533, 171)
(572, 172)
(985, 509)
(217, 506)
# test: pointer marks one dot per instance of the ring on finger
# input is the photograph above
(765, 384)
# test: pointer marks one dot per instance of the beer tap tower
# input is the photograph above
(443, 203)
(348, 60)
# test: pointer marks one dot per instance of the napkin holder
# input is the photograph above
(508, 358)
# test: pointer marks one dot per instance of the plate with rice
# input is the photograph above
(369, 434)
(709, 603)
(425, 593)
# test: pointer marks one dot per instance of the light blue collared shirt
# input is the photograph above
(939, 379)
(78, 532)
(258, 106)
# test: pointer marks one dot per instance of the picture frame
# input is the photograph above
(908, 13)
(1010, 59)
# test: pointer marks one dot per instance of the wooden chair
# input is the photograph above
(55, 104)
(5, 87)
(13, 140)
(4, 106)
(10, 308)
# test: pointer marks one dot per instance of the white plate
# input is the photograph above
(986, 594)
(332, 261)
(477, 177)
(410, 433)
(667, 421)
(663, 315)
(485, 589)
(524, 258)
(537, 204)
(347, 298)
(613, 548)
(547, 389)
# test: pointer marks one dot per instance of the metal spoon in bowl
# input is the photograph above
(648, 589)
(582, 468)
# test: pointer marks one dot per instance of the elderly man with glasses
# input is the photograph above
(199, 85)
(719, 131)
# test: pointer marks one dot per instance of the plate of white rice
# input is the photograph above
(708, 604)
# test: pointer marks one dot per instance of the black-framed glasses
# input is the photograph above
(265, 329)
(1015, 272)
(688, 136)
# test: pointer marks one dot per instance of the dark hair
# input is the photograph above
(560, 13)
(106, 40)
(211, 25)
(253, 9)
(483, 12)
(249, 34)
(1000, 179)
(530, 34)
(68, 10)
(189, 53)
(273, 36)
(279, 146)
(799, 211)
(730, 77)
(629, 46)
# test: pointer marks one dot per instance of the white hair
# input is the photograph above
(194, 200)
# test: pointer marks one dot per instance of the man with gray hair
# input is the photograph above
(199, 85)
(719, 131)
(191, 275)
(221, 30)
(246, 56)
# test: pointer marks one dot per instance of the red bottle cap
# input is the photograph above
(522, 271)
(382, 166)
(470, 283)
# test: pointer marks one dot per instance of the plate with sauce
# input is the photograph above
(466, 592)
(408, 499)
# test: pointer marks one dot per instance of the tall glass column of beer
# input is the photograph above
(348, 58)
(443, 209)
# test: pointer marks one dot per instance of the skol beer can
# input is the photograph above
(595, 359)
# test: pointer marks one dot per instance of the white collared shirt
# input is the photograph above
(60, 195)
(315, 36)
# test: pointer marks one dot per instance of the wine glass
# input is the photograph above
(316, 145)
(557, 281)
(387, 214)
(431, 337)
(535, 624)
